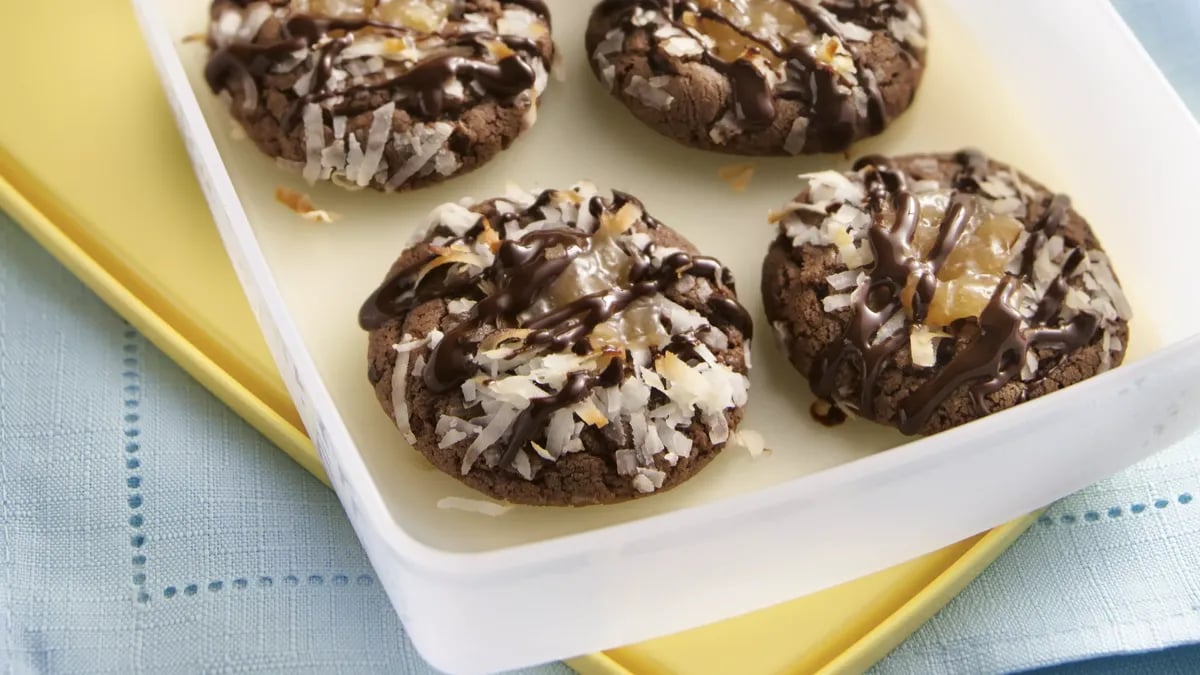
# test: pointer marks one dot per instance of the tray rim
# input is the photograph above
(314, 398)
(28, 203)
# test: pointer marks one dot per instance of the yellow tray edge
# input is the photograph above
(292, 440)
(898, 626)
(910, 616)
(864, 652)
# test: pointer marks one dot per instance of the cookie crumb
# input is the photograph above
(302, 205)
(479, 506)
(737, 175)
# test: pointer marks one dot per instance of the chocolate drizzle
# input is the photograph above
(533, 419)
(520, 273)
(998, 354)
(831, 105)
(419, 89)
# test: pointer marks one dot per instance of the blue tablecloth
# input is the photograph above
(144, 527)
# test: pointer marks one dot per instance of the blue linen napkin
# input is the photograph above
(143, 527)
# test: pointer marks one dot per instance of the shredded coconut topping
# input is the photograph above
(366, 149)
(995, 243)
(658, 365)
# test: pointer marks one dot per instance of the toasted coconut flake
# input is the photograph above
(542, 452)
(559, 431)
(626, 460)
(837, 231)
(829, 185)
(1102, 270)
(302, 205)
(424, 142)
(609, 74)
(451, 256)
(922, 343)
(752, 441)
(459, 306)
(520, 22)
(675, 441)
(1030, 367)
(705, 353)
(680, 374)
(832, 303)
(451, 437)
(797, 137)
(656, 477)
(377, 139)
(613, 42)
(1106, 352)
(497, 49)
(843, 281)
(681, 45)
(456, 217)
(908, 29)
(590, 414)
(718, 428)
(737, 175)
(314, 141)
(333, 158)
(226, 26)
(479, 506)
(617, 224)
(830, 53)
(643, 484)
(890, 327)
(493, 432)
(851, 31)
(725, 128)
(777, 216)
(649, 92)
(523, 466)
(400, 384)
(516, 390)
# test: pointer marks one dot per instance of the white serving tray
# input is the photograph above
(1088, 114)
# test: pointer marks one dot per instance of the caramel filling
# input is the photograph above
(603, 266)
(974, 268)
(770, 23)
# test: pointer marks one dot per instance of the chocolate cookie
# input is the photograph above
(387, 94)
(929, 290)
(559, 349)
(760, 77)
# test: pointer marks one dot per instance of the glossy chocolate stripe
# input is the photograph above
(999, 353)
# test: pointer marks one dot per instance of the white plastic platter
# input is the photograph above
(1089, 116)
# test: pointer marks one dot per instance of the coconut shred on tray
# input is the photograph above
(561, 348)
(390, 95)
